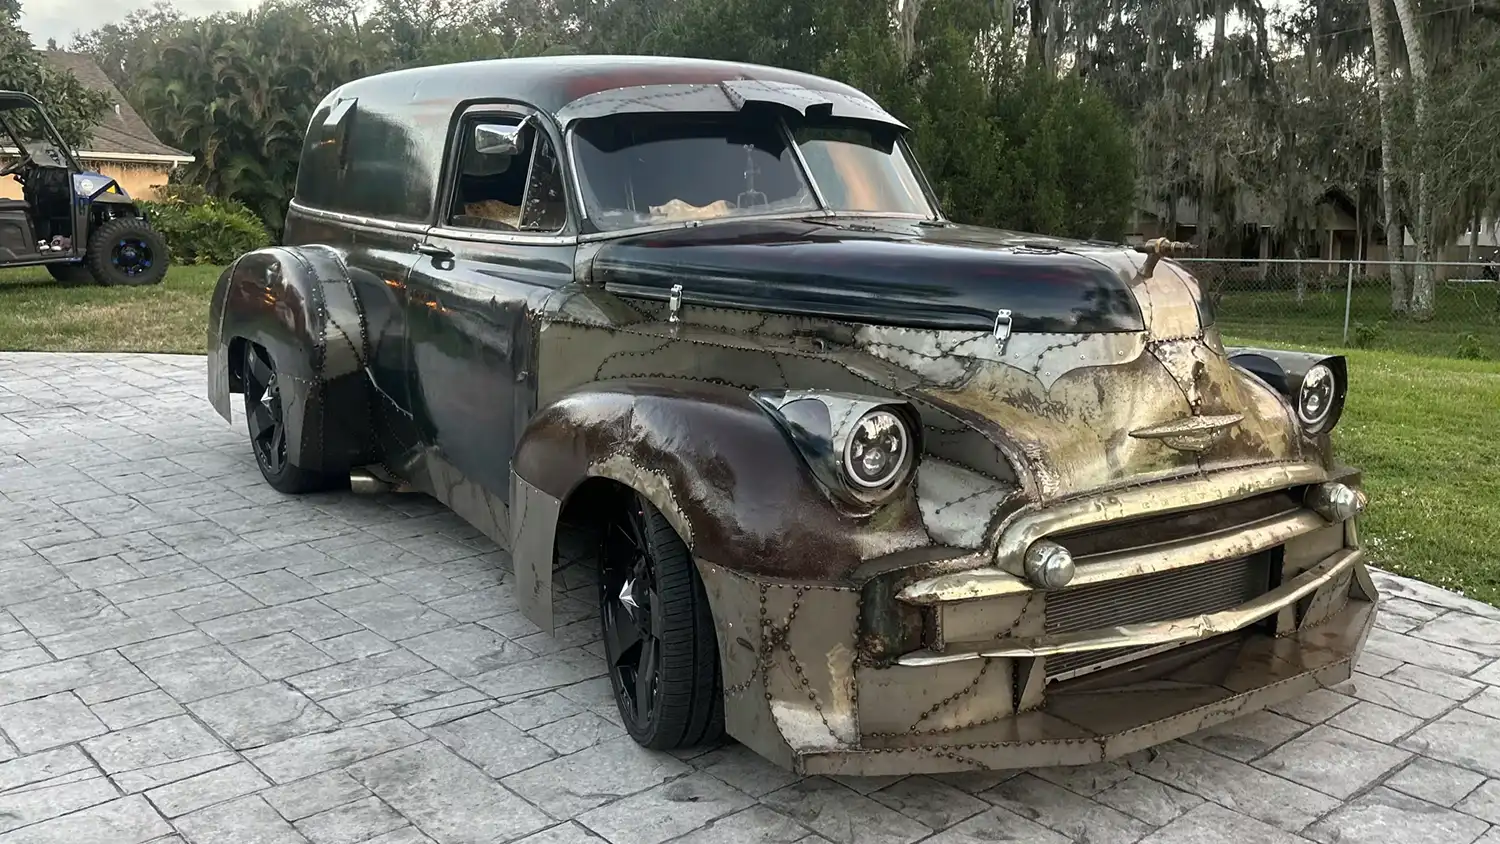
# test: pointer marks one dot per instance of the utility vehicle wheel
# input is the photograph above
(71, 274)
(265, 416)
(127, 251)
(659, 641)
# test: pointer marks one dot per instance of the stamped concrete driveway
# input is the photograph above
(185, 654)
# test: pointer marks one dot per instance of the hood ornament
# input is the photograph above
(1155, 249)
(1191, 433)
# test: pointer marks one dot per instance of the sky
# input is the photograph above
(59, 19)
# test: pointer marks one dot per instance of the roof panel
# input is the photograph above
(551, 82)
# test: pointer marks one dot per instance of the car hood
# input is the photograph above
(1108, 378)
(882, 271)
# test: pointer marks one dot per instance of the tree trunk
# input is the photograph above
(1264, 236)
(1038, 13)
(1360, 235)
(1051, 42)
(1473, 238)
(1422, 283)
(1220, 66)
(1395, 241)
(910, 10)
(1298, 272)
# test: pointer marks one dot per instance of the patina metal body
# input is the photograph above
(507, 373)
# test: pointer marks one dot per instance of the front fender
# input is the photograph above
(717, 466)
(1284, 371)
(299, 305)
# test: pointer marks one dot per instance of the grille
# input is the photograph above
(1173, 527)
(1207, 588)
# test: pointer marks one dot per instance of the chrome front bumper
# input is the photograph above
(1111, 714)
(1174, 631)
(997, 684)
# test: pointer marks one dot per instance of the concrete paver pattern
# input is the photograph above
(187, 655)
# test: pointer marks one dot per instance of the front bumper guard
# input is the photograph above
(796, 692)
(1085, 722)
(1171, 632)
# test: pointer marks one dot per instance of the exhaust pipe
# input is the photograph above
(362, 482)
(365, 482)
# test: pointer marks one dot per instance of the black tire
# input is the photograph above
(684, 693)
(127, 251)
(265, 421)
(71, 275)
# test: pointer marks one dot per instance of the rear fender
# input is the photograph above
(299, 305)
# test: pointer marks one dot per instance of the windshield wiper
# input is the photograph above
(837, 223)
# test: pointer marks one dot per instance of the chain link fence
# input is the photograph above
(1323, 303)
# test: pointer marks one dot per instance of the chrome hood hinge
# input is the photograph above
(1002, 329)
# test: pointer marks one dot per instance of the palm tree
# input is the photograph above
(238, 91)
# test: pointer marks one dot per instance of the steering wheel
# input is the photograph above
(18, 166)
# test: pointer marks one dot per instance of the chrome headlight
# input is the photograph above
(1315, 385)
(1315, 399)
(878, 450)
(861, 449)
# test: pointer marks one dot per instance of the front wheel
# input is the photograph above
(71, 275)
(266, 418)
(127, 251)
(659, 642)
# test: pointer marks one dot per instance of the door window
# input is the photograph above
(507, 178)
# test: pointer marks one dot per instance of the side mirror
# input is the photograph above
(497, 139)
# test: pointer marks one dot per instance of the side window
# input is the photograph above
(507, 178)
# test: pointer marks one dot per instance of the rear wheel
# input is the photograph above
(71, 274)
(127, 251)
(265, 416)
(659, 642)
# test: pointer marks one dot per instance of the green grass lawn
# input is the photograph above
(1426, 430)
(39, 314)
(1464, 316)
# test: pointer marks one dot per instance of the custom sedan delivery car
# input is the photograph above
(872, 491)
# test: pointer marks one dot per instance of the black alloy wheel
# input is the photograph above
(263, 411)
(132, 255)
(127, 251)
(266, 417)
(659, 639)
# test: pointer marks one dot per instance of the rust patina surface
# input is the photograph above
(1063, 400)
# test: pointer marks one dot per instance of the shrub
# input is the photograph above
(1470, 347)
(1366, 335)
(202, 229)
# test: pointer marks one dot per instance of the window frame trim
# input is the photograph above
(448, 189)
(589, 230)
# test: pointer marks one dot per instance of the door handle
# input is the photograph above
(435, 251)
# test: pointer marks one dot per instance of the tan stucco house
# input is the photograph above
(122, 146)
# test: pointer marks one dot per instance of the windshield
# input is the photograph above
(24, 129)
(861, 167)
(640, 170)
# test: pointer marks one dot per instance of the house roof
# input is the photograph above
(122, 135)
